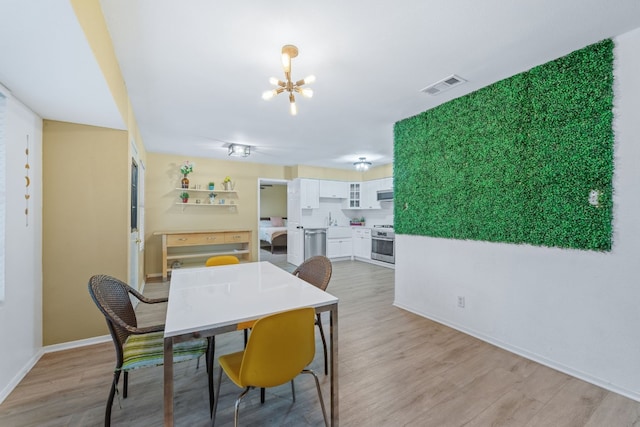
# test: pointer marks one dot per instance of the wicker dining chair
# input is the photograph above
(317, 271)
(139, 347)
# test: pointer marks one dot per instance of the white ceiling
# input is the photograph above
(195, 69)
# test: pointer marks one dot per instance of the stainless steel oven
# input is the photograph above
(383, 244)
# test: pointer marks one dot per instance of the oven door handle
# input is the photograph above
(385, 239)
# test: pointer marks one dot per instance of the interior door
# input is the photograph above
(136, 219)
(295, 247)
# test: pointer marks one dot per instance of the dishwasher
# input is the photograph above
(315, 242)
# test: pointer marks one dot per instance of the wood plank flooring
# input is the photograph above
(396, 369)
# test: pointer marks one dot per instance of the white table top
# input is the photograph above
(211, 297)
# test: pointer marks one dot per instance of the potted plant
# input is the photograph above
(184, 196)
(186, 169)
(211, 185)
(212, 197)
(227, 183)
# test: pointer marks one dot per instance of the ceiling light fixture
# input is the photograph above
(289, 51)
(239, 150)
(362, 164)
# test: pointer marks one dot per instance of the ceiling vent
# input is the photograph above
(444, 85)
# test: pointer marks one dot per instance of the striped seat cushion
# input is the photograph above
(145, 350)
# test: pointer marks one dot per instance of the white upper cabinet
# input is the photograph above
(309, 194)
(334, 189)
(369, 197)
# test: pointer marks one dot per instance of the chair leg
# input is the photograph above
(236, 413)
(125, 384)
(262, 395)
(315, 377)
(324, 344)
(246, 336)
(293, 391)
(112, 393)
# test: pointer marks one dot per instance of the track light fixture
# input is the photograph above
(362, 164)
(289, 51)
(239, 150)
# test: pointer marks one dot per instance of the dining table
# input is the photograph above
(208, 301)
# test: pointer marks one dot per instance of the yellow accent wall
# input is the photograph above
(273, 201)
(85, 224)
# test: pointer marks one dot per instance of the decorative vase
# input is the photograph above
(185, 200)
(185, 181)
(226, 185)
(211, 186)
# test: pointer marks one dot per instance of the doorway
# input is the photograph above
(272, 221)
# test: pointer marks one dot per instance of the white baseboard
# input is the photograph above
(20, 375)
(43, 350)
(76, 344)
(634, 395)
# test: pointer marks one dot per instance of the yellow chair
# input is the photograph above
(221, 260)
(280, 346)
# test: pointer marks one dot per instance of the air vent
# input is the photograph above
(443, 85)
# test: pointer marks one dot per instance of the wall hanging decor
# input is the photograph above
(528, 159)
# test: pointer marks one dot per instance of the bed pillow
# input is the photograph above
(276, 221)
(265, 223)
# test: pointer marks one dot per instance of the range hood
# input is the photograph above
(385, 195)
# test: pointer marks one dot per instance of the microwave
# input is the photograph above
(385, 195)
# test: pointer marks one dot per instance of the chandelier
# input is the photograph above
(289, 51)
(362, 164)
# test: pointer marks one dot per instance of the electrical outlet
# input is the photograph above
(460, 302)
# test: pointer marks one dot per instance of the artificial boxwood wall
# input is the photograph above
(515, 161)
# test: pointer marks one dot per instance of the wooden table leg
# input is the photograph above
(168, 382)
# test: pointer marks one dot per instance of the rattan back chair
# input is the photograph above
(138, 347)
(317, 271)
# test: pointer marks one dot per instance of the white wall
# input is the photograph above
(577, 311)
(21, 310)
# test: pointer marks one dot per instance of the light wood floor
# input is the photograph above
(396, 369)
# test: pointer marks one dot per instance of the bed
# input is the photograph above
(272, 233)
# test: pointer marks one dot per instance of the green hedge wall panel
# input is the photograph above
(515, 161)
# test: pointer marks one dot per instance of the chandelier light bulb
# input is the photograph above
(274, 81)
(292, 105)
(309, 79)
(286, 62)
(267, 95)
(306, 92)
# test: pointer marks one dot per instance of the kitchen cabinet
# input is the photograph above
(339, 248)
(353, 201)
(339, 242)
(362, 243)
(309, 194)
(369, 195)
(334, 189)
(387, 183)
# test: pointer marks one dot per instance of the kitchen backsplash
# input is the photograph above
(316, 218)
